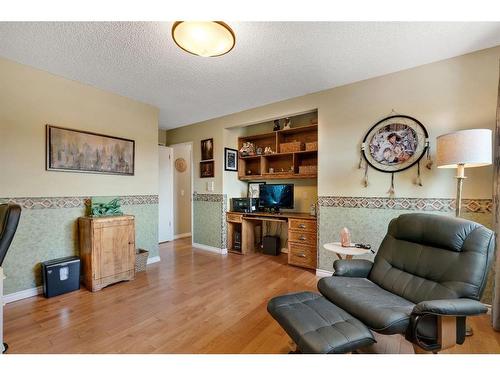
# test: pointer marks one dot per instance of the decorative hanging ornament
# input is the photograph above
(394, 144)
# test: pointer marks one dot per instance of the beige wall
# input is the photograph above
(182, 191)
(457, 93)
(162, 137)
(31, 98)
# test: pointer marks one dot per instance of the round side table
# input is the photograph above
(347, 252)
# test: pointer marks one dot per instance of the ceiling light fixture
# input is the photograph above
(204, 38)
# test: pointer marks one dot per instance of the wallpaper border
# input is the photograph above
(209, 197)
(421, 204)
(38, 203)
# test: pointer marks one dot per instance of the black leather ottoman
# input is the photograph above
(317, 326)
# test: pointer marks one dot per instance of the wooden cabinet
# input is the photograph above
(107, 250)
(302, 243)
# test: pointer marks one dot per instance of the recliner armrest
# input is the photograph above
(447, 316)
(450, 307)
(352, 267)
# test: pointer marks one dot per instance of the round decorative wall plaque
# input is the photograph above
(180, 164)
(395, 143)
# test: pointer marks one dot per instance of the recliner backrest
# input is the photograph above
(9, 218)
(429, 257)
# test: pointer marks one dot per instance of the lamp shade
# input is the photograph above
(470, 148)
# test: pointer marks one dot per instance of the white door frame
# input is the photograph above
(191, 168)
(169, 197)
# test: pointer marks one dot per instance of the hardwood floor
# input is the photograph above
(192, 301)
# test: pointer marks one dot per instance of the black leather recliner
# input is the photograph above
(427, 277)
(9, 219)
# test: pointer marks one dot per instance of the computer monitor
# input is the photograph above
(276, 196)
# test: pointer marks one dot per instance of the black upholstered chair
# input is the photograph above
(427, 277)
(9, 218)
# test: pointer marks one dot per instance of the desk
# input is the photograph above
(302, 234)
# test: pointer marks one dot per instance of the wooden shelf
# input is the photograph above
(299, 129)
(256, 167)
(275, 176)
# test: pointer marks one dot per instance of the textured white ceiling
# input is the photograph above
(272, 61)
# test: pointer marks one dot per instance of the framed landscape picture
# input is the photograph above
(207, 169)
(230, 159)
(81, 151)
(207, 149)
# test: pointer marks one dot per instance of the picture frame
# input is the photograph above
(207, 169)
(230, 159)
(72, 150)
(207, 149)
(253, 189)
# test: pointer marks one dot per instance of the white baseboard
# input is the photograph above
(182, 235)
(323, 273)
(210, 248)
(153, 260)
(32, 292)
(12, 297)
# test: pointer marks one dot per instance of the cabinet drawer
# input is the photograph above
(235, 218)
(303, 256)
(306, 238)
(302, 225)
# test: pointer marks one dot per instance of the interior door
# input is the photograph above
(166, 194)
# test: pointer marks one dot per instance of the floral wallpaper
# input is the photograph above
(48, 230)
(209, 220)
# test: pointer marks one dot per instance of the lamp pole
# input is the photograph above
(460, 181)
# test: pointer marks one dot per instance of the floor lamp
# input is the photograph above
(464, 149)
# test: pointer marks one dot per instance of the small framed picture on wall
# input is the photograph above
(253, 189)
(207, 149)
(207, 169)
(230, 159)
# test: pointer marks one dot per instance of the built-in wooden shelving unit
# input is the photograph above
(299, 164)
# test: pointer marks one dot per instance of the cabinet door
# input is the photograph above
(117, 248)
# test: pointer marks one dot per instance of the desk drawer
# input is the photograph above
(303, 256)
(302, 225)
(306, 238)
(235, 218)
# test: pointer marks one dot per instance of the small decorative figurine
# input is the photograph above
(288, 123)
(276, 125)
(247, 149)
(271, 170)
(259, 150)
(268, 150)
(345, 237)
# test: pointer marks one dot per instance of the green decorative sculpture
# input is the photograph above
(112, 208)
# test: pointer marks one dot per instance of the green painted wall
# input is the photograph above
(50, 233)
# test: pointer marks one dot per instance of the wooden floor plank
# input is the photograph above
(192, 301)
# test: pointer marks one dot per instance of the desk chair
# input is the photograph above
(9, 218)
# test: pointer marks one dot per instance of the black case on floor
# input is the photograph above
(271, 245)
(60, 276)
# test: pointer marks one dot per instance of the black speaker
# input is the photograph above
(237, 241)
(271, 245)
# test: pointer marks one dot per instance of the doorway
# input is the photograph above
(182, 189)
